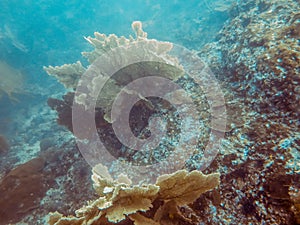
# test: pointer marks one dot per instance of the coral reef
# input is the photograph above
(259, 159)
(256, 56)
(270, 75)
(11, 81)
(151, 58)
(145, 204)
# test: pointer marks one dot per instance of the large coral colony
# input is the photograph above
(119, 201)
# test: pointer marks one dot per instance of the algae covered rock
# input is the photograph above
(21, 190)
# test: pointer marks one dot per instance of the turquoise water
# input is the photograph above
(252, 52)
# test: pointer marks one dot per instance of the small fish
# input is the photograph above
(14, 41)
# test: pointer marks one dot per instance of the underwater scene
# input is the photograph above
(149, 112)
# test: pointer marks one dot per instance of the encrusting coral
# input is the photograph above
(140, 204)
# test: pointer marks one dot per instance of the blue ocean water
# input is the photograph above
(259, 155)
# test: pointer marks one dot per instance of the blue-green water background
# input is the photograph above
(39, 33)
